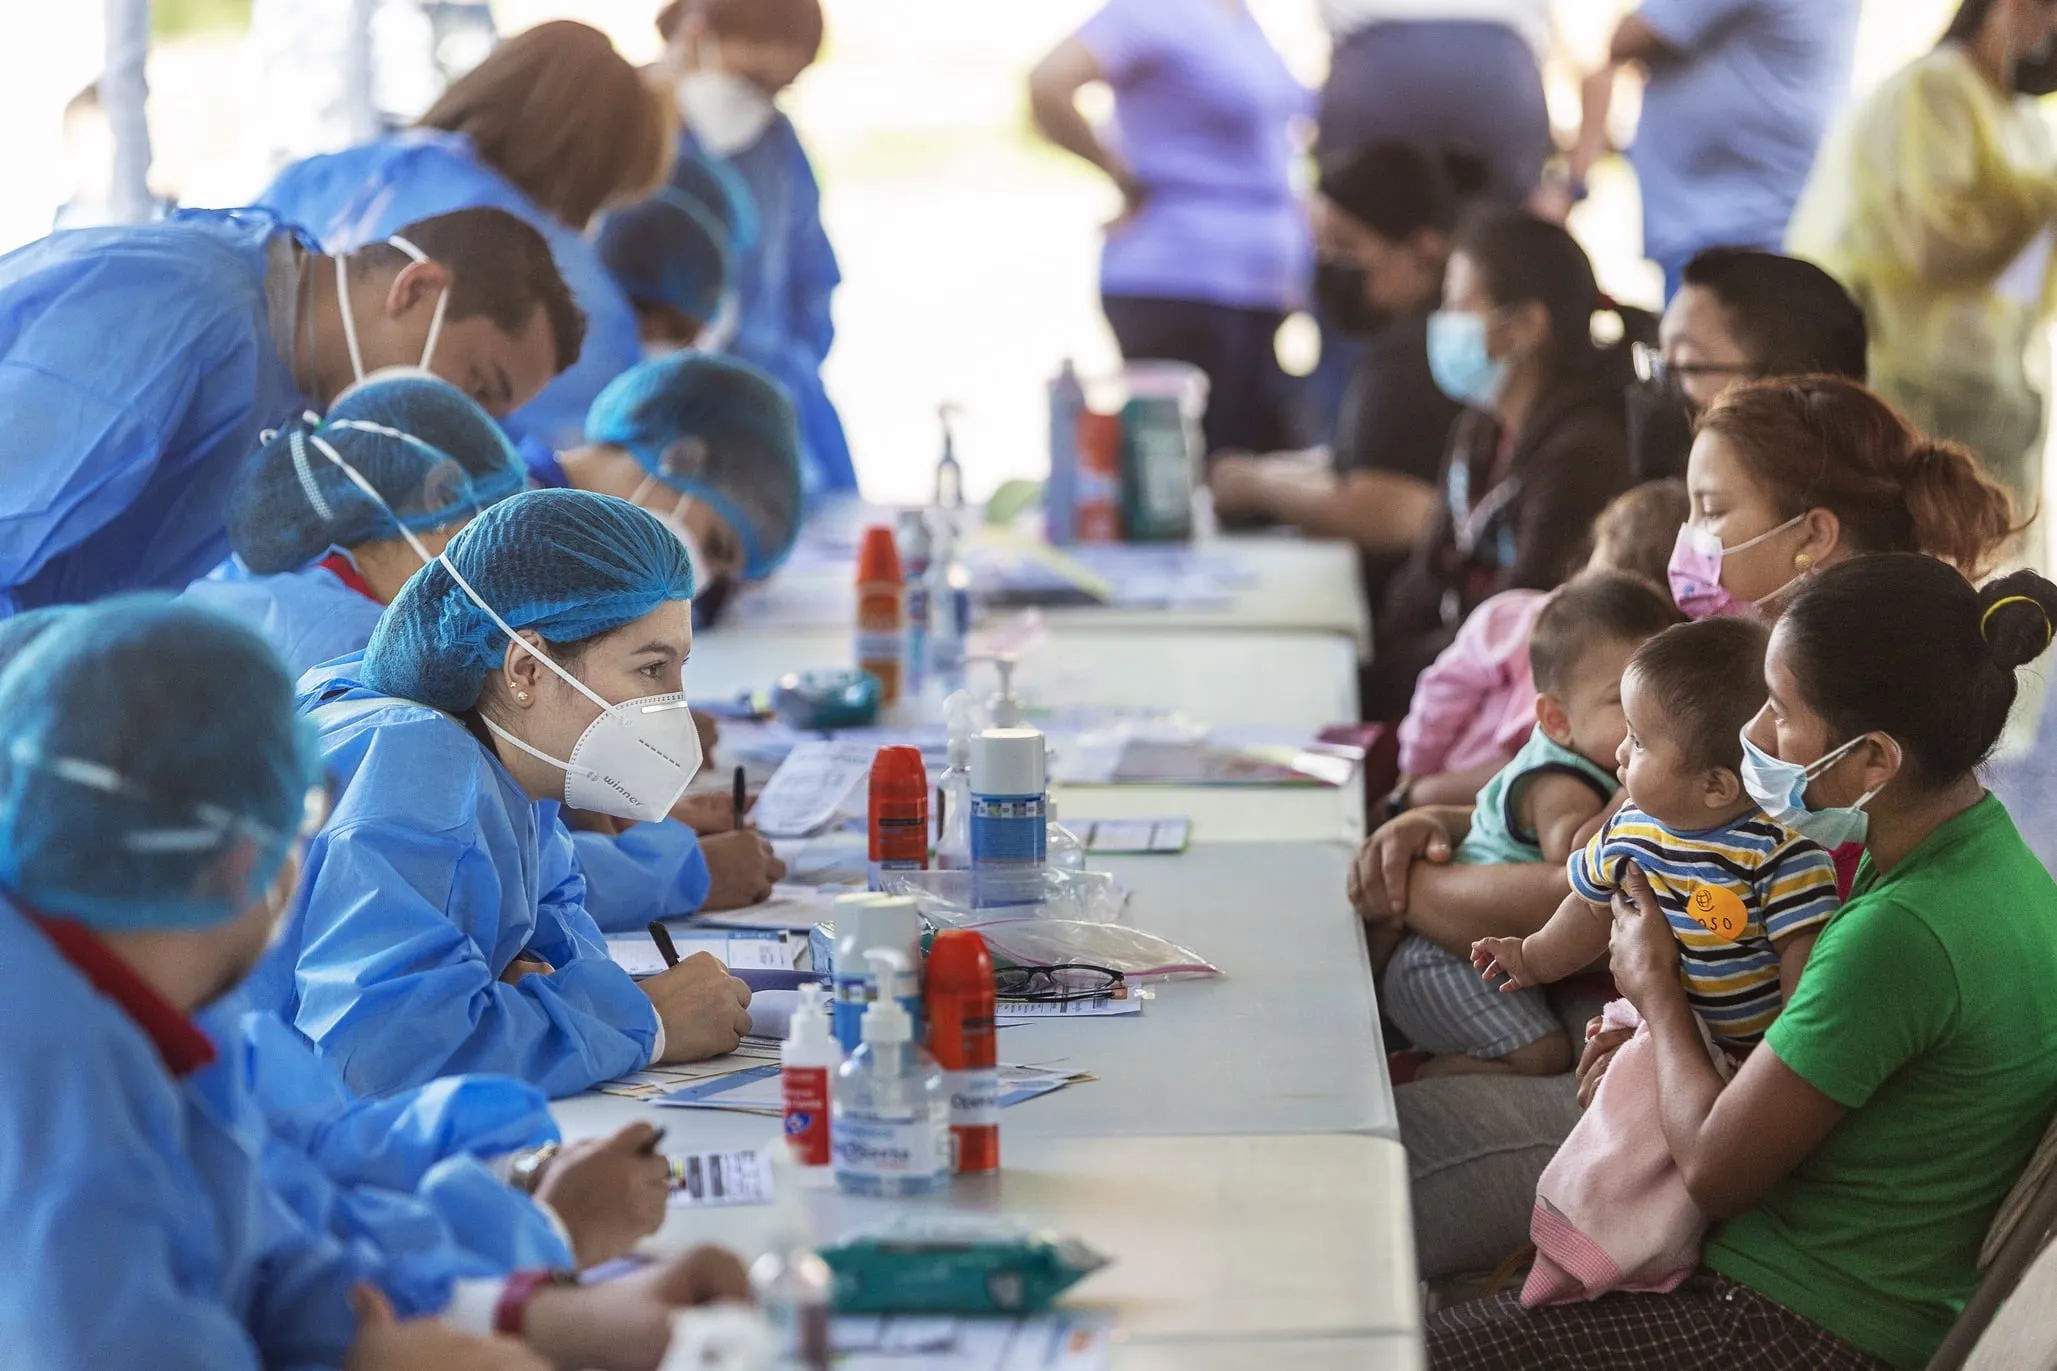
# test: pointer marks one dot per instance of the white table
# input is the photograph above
(1286, 1041)
(1291, 681)
(1249, 1242)
(1300, 585)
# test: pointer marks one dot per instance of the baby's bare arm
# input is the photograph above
(1792, 960)
(1558, 807)
(1574, 939)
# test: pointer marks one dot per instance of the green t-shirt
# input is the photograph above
(1929, 1011)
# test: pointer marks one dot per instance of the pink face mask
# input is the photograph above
(1695, 571)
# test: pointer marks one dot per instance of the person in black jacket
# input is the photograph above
(1541, 447)
(1384, 221)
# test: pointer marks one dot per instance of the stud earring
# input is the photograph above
(522, 695)
(1802, 562)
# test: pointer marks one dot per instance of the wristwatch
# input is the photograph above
(511, 1313)
(525, 1172)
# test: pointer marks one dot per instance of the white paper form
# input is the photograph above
(795, 907)
(1008, 1013)
(738, 949)
(1056, 1340)
(1134, 837)
(810, 788)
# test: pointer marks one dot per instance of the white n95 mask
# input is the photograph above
(634, 761)
(1780, 789)
(725, 112)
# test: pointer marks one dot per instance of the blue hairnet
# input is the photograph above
(142, 739)
(567, 563)
(666, 250)
(21, 630)
(720, 190)
(435, 456)
(720, 431)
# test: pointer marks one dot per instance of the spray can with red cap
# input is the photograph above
(881, 612)
(899, 819)
(957, 993)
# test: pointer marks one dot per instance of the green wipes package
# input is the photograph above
(954, 1264)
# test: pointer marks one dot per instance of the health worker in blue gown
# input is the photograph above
(670, 256)
(138, 366)
(317, 556)
(155, 786)
(733, 58)
(708, 445)
(441, 924)
(553, 127)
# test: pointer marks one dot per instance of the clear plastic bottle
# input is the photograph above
(953, 788)
(791, 1282)
(892, 1112)
(1066, 851)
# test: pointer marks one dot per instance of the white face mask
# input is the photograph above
(428, 348)
(633, 762)
(703, 570)
(725, 112)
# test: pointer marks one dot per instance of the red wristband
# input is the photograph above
(511, 1313)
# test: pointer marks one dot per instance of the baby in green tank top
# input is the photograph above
(1533, 810)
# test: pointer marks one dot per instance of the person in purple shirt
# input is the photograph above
(1737, 96)
(1212, 248)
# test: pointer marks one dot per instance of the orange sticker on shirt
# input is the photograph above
(1719, 910)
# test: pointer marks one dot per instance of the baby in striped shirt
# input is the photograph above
(1745, 896)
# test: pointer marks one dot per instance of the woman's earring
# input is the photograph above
(1803, 563)
(522, 696)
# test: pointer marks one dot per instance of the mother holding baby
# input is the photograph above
(1788, 479)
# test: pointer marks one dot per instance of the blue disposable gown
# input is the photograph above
(784, 281)
(433, 874)
(405, 1175)
(142, 1231)
(136, 369)
(308, 615)
(653, 871)
(366, 193)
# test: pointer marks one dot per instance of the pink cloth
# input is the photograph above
(1477, 702)
(1612, 1212)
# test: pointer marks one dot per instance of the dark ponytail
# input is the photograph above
(1901, 644)
(1522, 259)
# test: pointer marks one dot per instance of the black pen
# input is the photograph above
(661, 935)
(738, 797)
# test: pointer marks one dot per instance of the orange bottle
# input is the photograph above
(881, 611)
(1099, 477)
(899, 812)
(957, 991)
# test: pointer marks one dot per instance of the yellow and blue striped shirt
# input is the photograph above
(1728, 893)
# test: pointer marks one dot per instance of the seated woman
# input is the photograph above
(1859, 1155)
(157, 791)
(318, 558)
(1787, 477)
(1538, 453)
(498, 679)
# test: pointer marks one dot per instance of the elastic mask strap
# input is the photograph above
(504, 736)
(219, 823)
(423, 445)
(356, 477)
(1749, 543)
(671, 520)
(1829, 759)
(574, 682)
(349, 323)
(428, 349)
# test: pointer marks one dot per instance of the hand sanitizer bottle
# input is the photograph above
(891, 1130)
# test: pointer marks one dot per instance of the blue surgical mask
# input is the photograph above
(1780, 789)
(1458, 359)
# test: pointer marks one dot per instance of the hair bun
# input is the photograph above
(2017, 618)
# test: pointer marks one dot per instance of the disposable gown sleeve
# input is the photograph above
(1942, 200)
(89, 419)
(395, 991)
(394, 1141)
(652, 871)
(815, 272)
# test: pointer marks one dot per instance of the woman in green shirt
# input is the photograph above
(1859, 1155)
